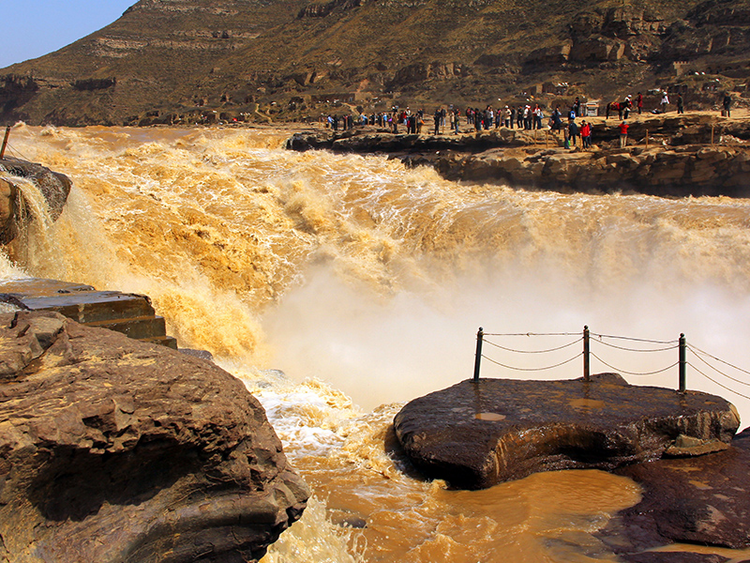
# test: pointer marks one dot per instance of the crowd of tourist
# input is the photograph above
(523, 116)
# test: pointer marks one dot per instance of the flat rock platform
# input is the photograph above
(129, 313)
(477, 434)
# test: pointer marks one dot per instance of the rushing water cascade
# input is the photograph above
(360, 278)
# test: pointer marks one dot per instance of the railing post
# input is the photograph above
(683, 346)
(586, 370)
(478, 357)
(5, 142)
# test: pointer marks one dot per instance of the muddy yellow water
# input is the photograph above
(339, 287)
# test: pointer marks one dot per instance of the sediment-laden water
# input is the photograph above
(340, 286)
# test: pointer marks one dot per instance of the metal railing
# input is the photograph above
(620, 343)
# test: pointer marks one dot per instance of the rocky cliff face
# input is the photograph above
(116, 451)
(186, 58)
(668, 156)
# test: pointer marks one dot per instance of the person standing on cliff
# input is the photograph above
(557, 119)
(585, 135)
(727, 105)
(437, 118)
(628, 106)
(572, 131)
(664, 102)
(680, 104)
(639, 103)
(623, 134)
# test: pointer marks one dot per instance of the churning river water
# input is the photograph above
(338, 287)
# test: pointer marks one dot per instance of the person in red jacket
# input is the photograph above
(585, 135)
(623, 134)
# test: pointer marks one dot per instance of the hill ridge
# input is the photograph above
(183, 60)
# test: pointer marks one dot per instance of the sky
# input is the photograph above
(33, 28)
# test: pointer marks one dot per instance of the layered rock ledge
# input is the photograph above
(676, 156)
(112, 450)
(129, 313)
(477, 434)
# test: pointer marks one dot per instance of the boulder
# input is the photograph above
(703, 500)
(477, 434)
(112, 450)
(14, 211)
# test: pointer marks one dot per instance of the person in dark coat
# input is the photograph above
(727, 105)
(572, 131)
(557, 119)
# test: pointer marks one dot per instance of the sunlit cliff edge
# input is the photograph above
(177, 61)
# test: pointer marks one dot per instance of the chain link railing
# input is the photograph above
(708, 368)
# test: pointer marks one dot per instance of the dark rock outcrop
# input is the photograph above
(14, 209)
(663, 171)
(477, 434)
(703, 500)
(113, 450)
(402, 144)
(15, 91)
(91, 84)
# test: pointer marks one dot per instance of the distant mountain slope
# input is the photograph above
(171, 59)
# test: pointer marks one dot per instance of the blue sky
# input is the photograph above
(32, 28)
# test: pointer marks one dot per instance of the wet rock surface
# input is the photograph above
(14, 210)
(702, 501)
(477, 434)
(112, 450)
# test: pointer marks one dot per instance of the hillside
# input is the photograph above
(183, 60)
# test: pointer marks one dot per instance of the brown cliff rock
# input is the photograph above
(478, 434)
(116, 451)
(667, 155)
(14, 210)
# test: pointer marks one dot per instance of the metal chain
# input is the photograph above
(635, 372)
(533, 351)
(533, 369)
